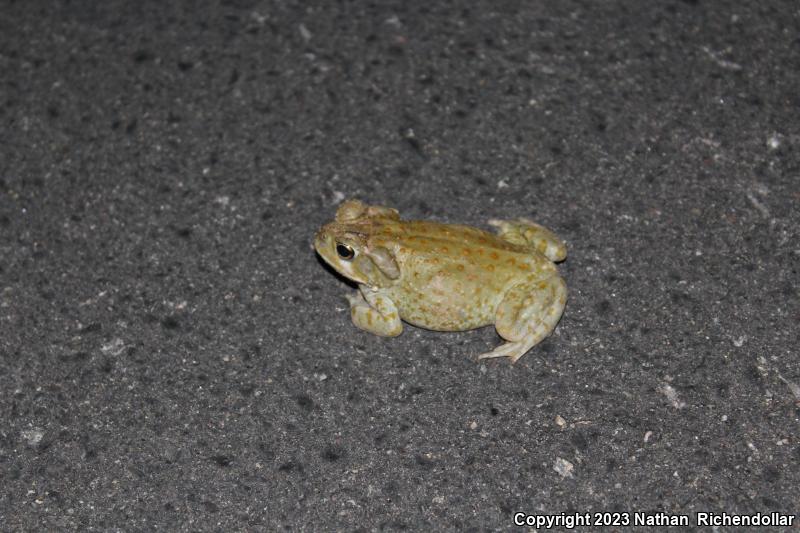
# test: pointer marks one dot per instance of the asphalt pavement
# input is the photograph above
(175, 357)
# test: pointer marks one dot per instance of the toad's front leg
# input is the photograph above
(528, 313)
(375, 313)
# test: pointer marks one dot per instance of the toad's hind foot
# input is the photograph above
(528, 233)
(512, 350)
(516, 349)
(527, 315)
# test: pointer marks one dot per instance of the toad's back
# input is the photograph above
(453, 277)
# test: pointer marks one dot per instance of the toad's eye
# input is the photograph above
(345, 251)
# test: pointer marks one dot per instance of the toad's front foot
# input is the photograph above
(374, 313)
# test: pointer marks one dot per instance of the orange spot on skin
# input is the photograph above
(490, 268)
(494, 255)
(523, 267)
(543, 285)
(444, 249)
(511, 261)
(465, 252)
(479, 251)
(460, 268)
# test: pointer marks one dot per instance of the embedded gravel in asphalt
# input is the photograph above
(173, 355)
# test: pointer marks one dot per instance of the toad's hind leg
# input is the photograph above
(528, 313)
(528, 233)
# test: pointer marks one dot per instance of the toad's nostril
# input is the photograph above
(322, 238)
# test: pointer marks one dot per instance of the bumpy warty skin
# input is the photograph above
(447, 277)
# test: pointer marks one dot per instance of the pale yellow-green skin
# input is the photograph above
(447, 277)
